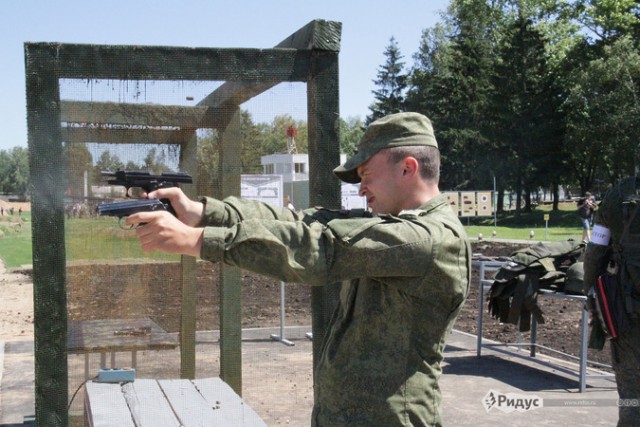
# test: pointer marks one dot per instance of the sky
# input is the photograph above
(367, 27)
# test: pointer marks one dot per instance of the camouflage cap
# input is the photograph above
(394, 130)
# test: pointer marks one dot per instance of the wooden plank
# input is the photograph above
(107, 335)
(148, 405)
(190, 407)
(125, 136)
(106, 406)
(113, 113)
(224, 399)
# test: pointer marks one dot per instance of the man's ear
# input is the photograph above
(411, 166)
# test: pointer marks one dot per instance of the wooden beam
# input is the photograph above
(85, 61)
(137, 114)
(125, 136)
(316, 35)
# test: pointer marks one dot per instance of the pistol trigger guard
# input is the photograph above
(123, 226)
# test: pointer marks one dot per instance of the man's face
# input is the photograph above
(380, 184)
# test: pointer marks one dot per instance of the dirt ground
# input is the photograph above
(16, 310)
(157, 295)
(24, 206)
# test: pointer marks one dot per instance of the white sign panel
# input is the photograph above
(263, 188)
(350, 197)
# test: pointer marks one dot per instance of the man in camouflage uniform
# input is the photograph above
(615, 211)
(405, 265)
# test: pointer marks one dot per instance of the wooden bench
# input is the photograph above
(116, 335)
(153, 403)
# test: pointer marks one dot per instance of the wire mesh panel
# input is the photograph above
(209, 114)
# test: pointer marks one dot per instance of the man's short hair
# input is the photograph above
(428, 158)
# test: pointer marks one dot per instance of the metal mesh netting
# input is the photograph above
(125, 307)
(99, 301)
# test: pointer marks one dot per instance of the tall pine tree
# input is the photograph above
(450, 84)
(391, 83)
(524, 108)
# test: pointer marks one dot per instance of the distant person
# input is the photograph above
(288, 203)
(404, 266)
(586, 208)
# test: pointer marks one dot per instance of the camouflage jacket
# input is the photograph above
(404, 278)
(613, 210)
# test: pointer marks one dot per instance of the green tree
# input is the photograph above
(351, 131)
(524, 107)
(107, 162)
(609, 20)
(391, 82)
(603, 114)
(79, 162)
(257, 140)
(273, 136)
(208, 163)
(450, 84)
(251, 150)
(155, 161)
(14, 170)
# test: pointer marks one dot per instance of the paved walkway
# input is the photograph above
(499, 388)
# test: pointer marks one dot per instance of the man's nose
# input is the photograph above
(363, 189)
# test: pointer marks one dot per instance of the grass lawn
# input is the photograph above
(562, 224)
(102, 238)
(15, 243)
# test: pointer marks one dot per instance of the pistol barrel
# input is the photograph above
(122, 209)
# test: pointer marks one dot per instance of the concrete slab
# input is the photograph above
(17, 389)
(510, 388)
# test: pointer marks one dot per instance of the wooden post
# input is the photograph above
(324, 156)
(188, 265)
(48, 182)
(230, 285)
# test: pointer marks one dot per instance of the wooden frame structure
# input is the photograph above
(310, 55)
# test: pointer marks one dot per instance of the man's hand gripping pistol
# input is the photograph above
(148, 183)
